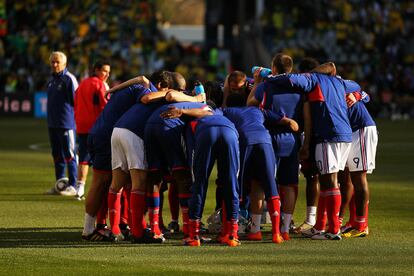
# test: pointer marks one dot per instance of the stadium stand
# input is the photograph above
(370, 42)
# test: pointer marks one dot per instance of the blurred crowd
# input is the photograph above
(370, 41)
(123, 32)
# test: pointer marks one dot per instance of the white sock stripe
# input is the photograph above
(333, 192)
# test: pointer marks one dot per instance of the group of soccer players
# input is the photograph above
(153, 131)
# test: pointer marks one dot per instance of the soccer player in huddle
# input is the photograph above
(128, 154)
(286, 143)
(258, 163)
(360, 162)
(211, 136)
(237, 83)
(89, 102)
(165, 149)
(333, 136)
(99, 146)
(128, 158)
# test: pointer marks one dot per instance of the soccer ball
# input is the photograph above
(214, 222)
(61, 184)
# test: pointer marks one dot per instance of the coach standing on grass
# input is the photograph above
(61, 120)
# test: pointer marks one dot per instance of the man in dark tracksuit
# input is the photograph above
(61, 120)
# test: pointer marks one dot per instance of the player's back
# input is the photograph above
(326, 95)
(155, 118)
(135, 118)
(117, 105)
(249, 124)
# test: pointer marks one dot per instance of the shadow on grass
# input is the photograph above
(40, 237)
(62, 237)
(70, 237)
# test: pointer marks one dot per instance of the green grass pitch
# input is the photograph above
(41, 234)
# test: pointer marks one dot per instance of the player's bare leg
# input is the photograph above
(256, 208)
(360, 224)
(312, 197)
(288, 202)
(98, 190)
(82, 176)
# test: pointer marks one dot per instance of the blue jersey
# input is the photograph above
(271, 97)
(60, 100)
(117, 105)
(136, 117)
(249, 122)
(281, 100)
(326, 95)
(155, 118)
(358, 114)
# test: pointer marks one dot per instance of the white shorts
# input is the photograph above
(128, 150)
(363, 150)
(331, 157)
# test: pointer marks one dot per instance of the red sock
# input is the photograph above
(114, 205)
(273, 205)
(184, 211)
(233, 228)
(103, 211)
(154, 220)
(193, 228)
(333, 205)
(137, 212)
(321, 212)
(360, 223)
(224, 225)
(366, 212)
(125, 208)
(173, 201)
(144, 222)
(352, 211)
(153, 212)
(183, 199)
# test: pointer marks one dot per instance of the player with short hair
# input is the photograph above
(61, 121)
(237, 83)
(360, 162)
(89, 102)
(286, 143)
(258, 163)
(333, 134)
(307, 156)
(99, 146)
(211, 136)
(165, 150)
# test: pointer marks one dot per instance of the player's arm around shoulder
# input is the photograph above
(174, 112)
(177, 96)
(137, 80)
